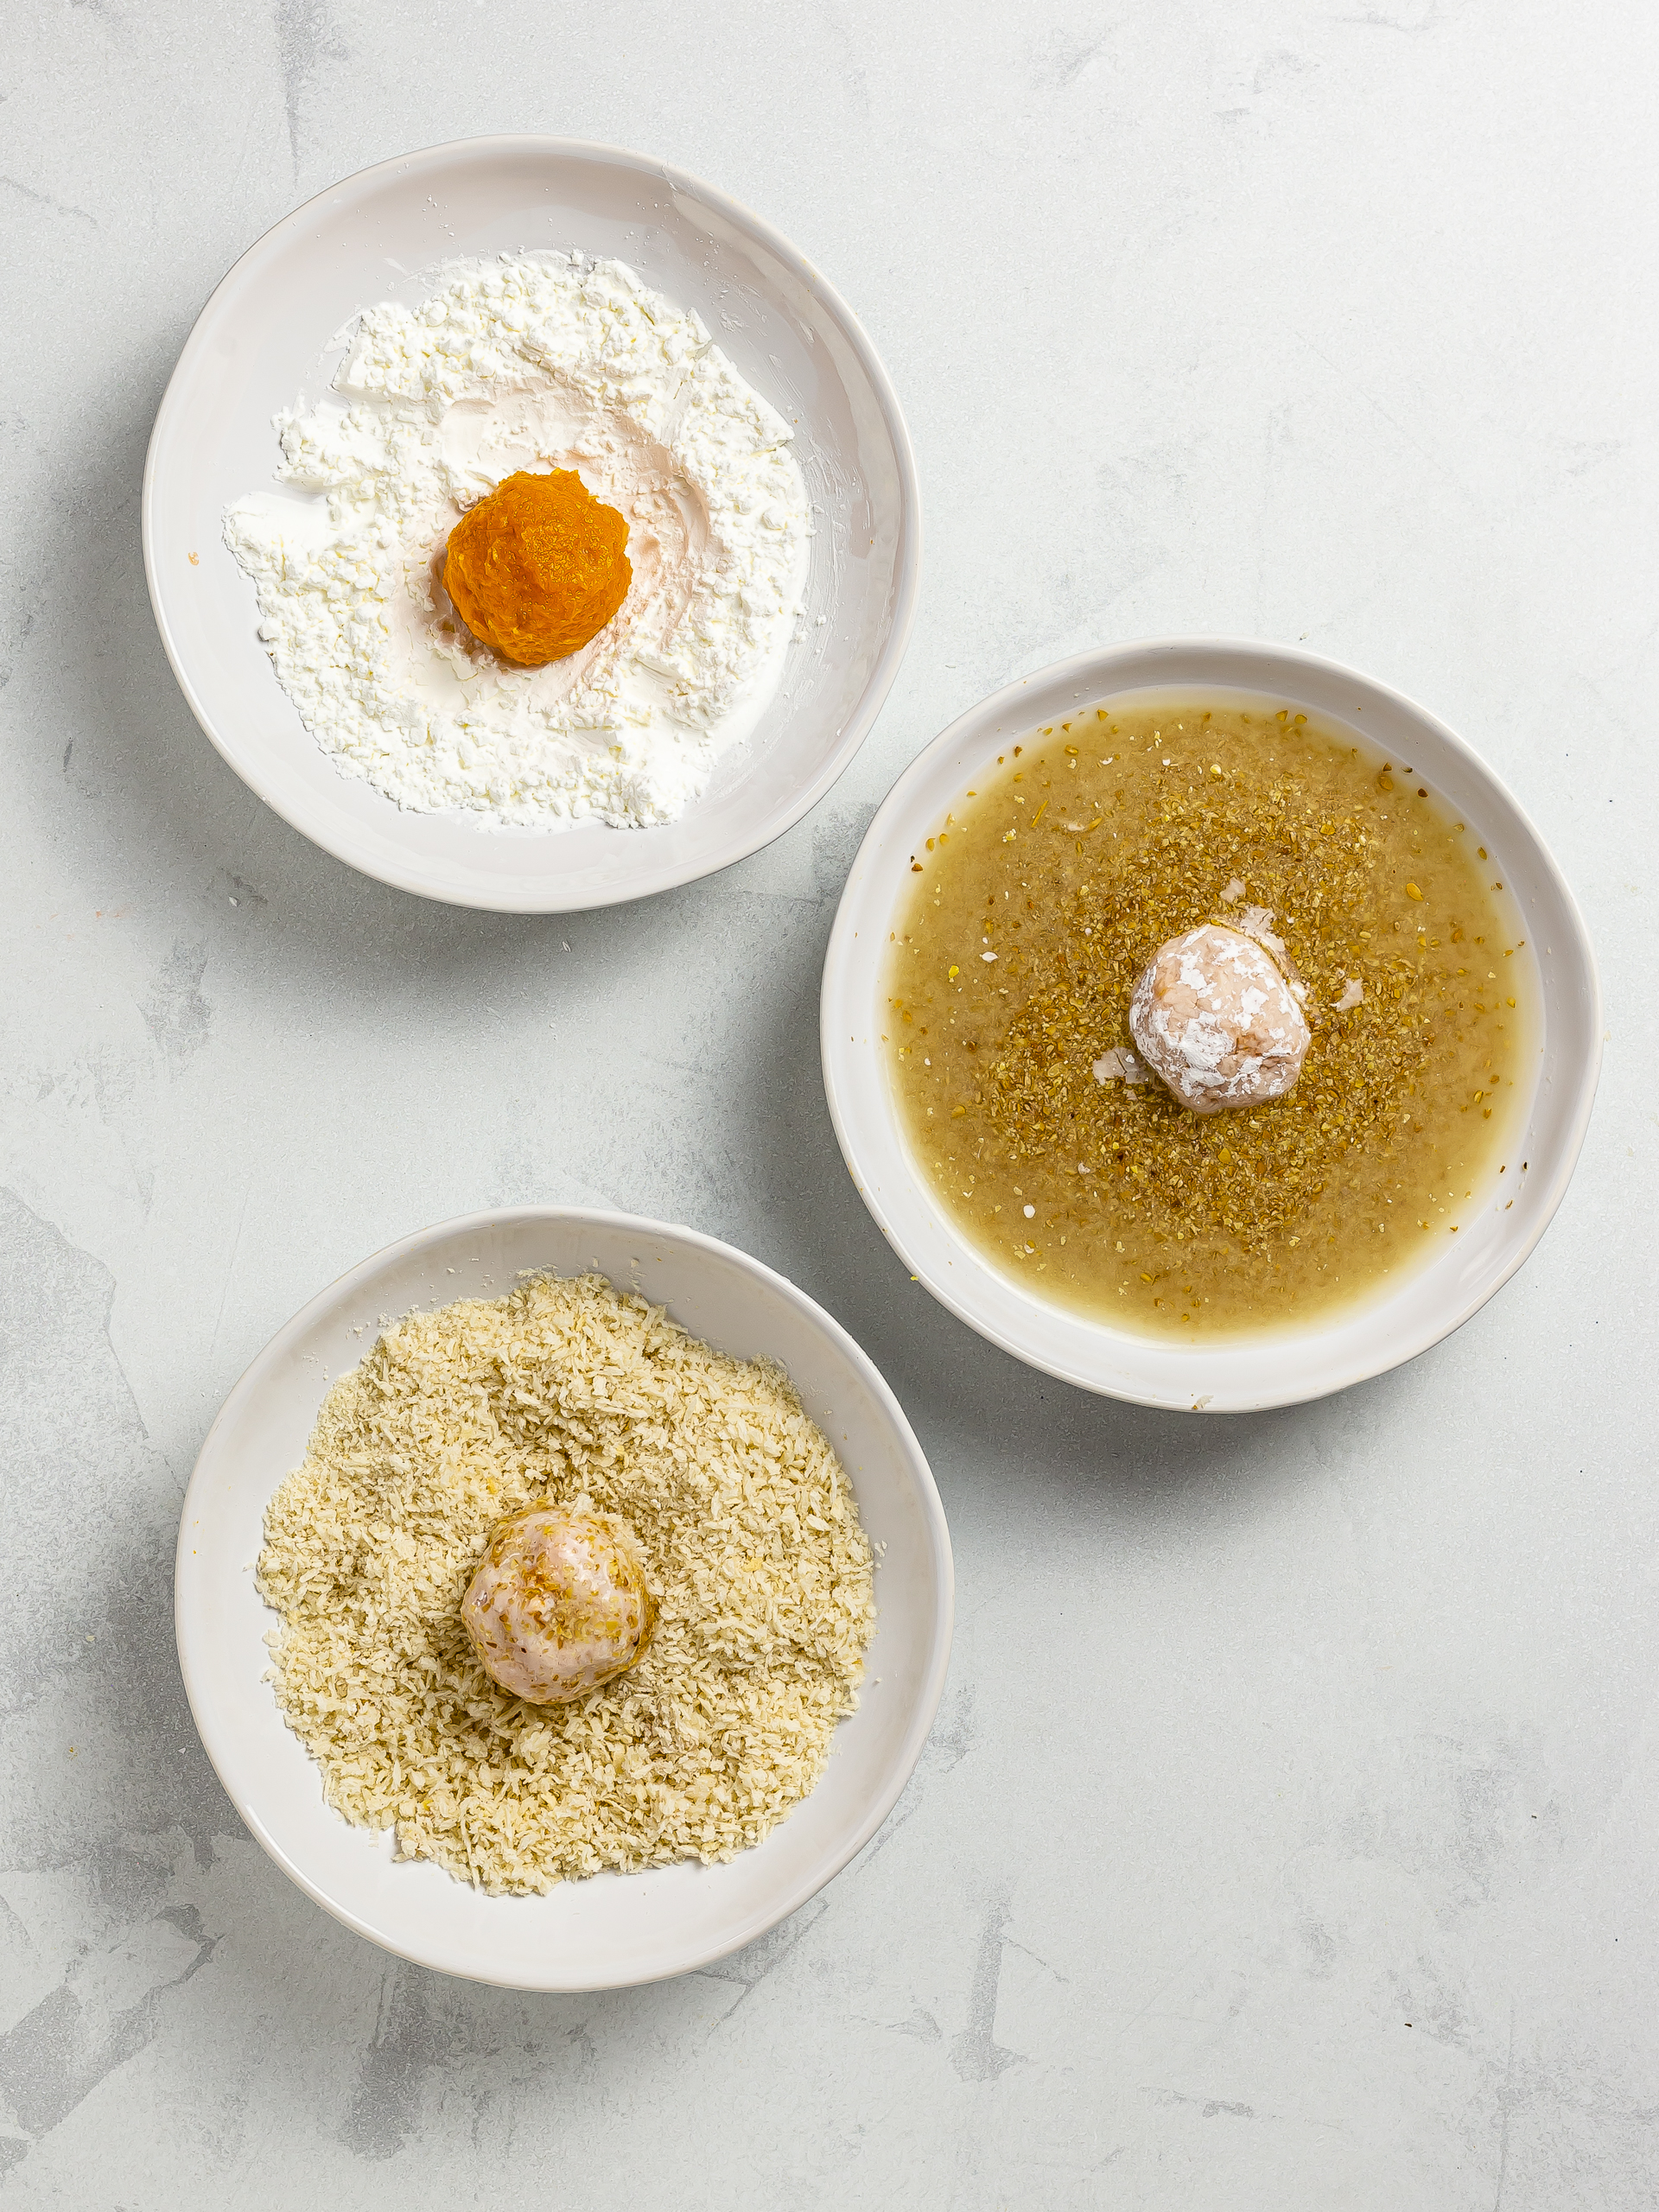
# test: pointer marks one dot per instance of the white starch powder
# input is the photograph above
(534, 361)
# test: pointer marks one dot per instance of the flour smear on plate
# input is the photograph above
(532, 361)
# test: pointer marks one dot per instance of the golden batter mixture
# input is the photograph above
(1032, 912)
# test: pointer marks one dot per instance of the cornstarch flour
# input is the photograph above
(533, 361)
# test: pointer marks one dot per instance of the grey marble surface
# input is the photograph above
(1308, 1861)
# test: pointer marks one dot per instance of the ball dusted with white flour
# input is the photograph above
(1214, 1017)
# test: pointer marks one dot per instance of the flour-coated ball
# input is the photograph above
(1214, 1017)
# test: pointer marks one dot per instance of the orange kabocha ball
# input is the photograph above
(538, 566)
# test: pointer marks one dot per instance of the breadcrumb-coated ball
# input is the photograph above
(538, 566)
(559, 1603)
(1213, 1015)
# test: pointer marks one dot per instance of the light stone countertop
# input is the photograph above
(1308, 1864)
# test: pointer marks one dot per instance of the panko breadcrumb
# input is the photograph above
(761, 1576)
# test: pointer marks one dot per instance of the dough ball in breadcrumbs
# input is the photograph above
(756, 1570)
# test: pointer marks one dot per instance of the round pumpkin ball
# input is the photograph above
(538, 566)
(559, 1603)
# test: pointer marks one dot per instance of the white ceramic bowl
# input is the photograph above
(611, 1929)
(262, 338)
(1270, 1369)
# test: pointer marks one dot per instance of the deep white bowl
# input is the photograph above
(610, 1929)
(263, 337)
(1284, 1366)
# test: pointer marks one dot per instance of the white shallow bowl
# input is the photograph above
(1287, 1365)
(611, 1929)
(263, 337)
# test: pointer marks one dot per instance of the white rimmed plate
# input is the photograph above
(1227, 1374)
(609, 1930)
(261, 340)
